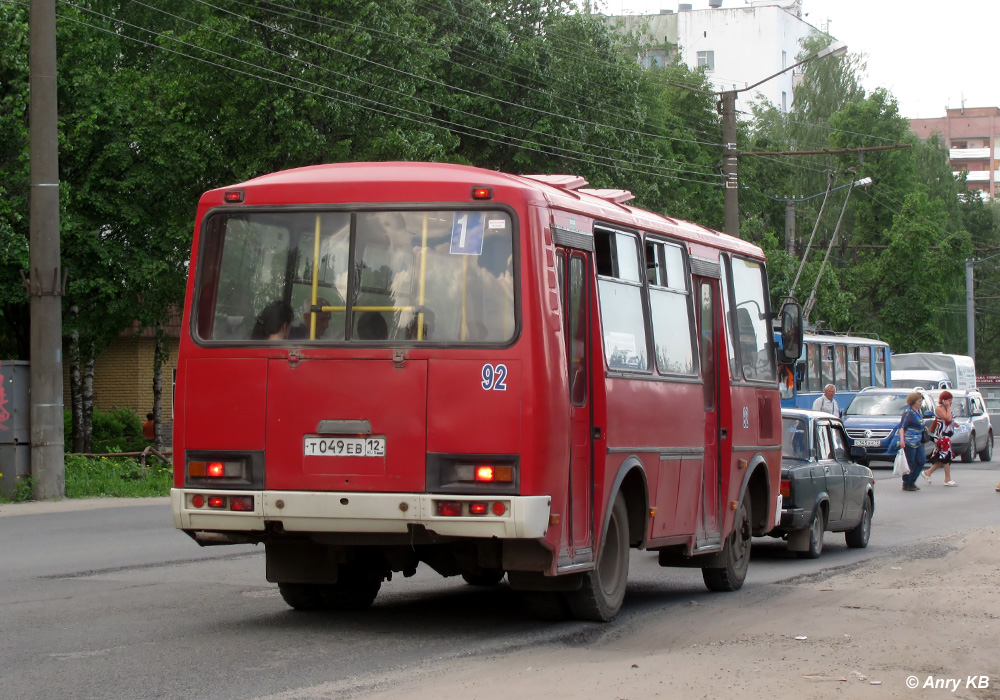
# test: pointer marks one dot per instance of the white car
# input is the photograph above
(973, 430)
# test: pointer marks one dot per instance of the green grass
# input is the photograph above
(106, 477)
(116, 477)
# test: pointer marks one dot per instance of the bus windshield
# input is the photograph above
(877, 405)
(434, 276)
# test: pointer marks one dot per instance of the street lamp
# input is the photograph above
(727, 106)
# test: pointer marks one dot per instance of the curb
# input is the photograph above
(67, 505)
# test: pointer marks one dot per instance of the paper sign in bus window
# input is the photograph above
(467, 233)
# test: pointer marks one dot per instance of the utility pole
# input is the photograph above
(730, 153)
(970, 313)
(731, 191)
(45, 282)
(790, 228)
(970, 307)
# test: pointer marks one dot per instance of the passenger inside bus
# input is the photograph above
(372, 326)
(411, 327)
(301, 330)
(274, 322)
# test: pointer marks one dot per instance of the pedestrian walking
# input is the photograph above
(944, 428)
(911, 437)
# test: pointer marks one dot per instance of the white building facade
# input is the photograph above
(737, 46)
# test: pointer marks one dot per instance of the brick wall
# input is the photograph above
(123, 376)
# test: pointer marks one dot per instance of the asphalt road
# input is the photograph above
(112, 602)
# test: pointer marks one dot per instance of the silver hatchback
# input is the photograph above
(973, 431)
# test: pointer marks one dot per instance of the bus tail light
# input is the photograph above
(786, 488)
(216, 502)
(478, 508)
(482, 193)
(485, 473)
(233, 196)
(229, 469)
(452, 509)
(499, 508)
(473, 474)
(244, 503)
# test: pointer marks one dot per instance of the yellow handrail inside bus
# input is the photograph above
(423, 273)
(369, 308)
(315, 282)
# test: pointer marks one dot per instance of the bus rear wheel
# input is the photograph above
(603, 590)
(736, 553)
(355, 589)
(302, 596)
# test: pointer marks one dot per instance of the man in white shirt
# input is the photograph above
(826, 402)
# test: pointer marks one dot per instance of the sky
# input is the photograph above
(929, 54)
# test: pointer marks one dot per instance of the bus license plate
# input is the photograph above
(868, 443)
(344, 447)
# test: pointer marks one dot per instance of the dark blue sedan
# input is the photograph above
(822, 488)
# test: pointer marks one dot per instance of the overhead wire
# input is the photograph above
(322, 20)
(547, 113)
(431, 103)
(401, 113)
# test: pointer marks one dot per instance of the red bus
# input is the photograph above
(388, 364)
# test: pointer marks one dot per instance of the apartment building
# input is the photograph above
(736, 46)
(971, 136)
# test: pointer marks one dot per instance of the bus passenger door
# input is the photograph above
(574, 273)
(710, 351)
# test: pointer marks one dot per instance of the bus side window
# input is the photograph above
(669, 302)
(865, 367)
(880, 367)
(853, 363)
(826, 364)
(619, 289)
(756, 342)
(840, 366)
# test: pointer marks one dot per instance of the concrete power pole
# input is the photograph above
(730, 192)
(790, 227)
(45, 280)
(970, 312)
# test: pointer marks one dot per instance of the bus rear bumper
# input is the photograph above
(523, 517)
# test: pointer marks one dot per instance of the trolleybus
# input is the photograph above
(850, 363)
(387, 365)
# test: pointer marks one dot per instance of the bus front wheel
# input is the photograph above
(603, 589)
(736, 554)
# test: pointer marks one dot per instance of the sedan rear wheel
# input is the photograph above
(857, 538)
(815, 537)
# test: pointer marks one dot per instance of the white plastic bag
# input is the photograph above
(900, 467)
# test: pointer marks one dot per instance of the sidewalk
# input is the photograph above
(71, 504)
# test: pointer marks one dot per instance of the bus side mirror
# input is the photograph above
(791, 333)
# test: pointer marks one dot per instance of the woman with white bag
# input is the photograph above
(911, 432)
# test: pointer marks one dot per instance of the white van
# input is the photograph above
(923, 378)
(959, 369)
